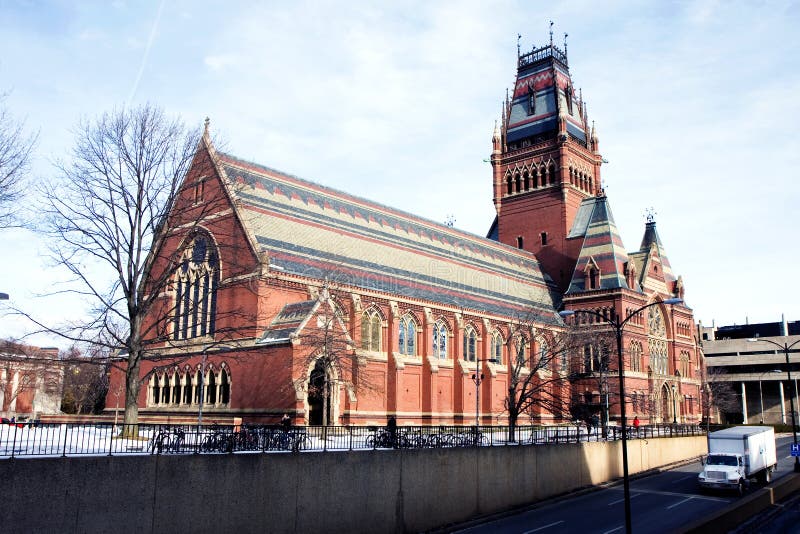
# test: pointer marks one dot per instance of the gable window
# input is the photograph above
(519, 241)
(196, 282)
(544, 238)
(407, 335)
(440, 340)
(470, 343)
(371, 330)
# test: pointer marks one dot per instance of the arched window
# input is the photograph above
(520, 348)
(211, 387)
(156, 389)
(371, 330)
(176, 388)
(187, 387)
(544, 353)
(196, 282)
(224, 387)
(636, 356)
(470, 344)
(197, 387)
(440, 340)
(657, 342)
(497, 347)
(407, 336)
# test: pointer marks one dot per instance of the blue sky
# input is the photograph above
(696, 105)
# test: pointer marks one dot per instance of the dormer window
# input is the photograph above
(568, 96)
(519, 241)
(544, 238)
(531, 100)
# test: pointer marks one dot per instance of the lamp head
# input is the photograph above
(3, 296)
(566, 313)
(674, 300)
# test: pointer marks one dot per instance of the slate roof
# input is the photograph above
(318, 232)
(601, 245)
(545, 73)
(650, 237)
(288, 322)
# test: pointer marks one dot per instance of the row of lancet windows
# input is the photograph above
(519, 182)
(581, 180)
(183, 389)
(407, 331)
(603, 315)
(683, 329)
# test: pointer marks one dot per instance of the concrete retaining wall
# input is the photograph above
(358, 491)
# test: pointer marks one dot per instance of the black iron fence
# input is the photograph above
(27, 440)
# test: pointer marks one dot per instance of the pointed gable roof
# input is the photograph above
(650, 239)
(293, 319)
(316, 232)
(602, 246)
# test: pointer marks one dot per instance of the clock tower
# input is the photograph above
(545, 162)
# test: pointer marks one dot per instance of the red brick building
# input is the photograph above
(293, 297)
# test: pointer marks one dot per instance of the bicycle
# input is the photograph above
(166, 441)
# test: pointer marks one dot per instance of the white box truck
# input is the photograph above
(738, 454)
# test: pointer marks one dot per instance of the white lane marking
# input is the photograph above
(613, 530)
(675, 494)
(542, 528)
(679, 503)
(684, 478)
(633, 496)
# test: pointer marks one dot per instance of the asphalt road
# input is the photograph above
(659, 503)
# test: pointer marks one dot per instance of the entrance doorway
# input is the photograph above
(316, 395)
(666, 406)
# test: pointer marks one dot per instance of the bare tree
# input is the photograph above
(717, 394)
(15, 152)
(536, 378)
(591, 367)
(107, 213)
(85, 382)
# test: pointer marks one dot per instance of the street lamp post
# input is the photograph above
(478, 379)
(674, 406)
(618, 325)
(786, 347)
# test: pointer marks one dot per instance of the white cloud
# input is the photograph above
(694, 103)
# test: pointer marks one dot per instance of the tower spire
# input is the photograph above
(551, 34)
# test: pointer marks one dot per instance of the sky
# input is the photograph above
(695, 104)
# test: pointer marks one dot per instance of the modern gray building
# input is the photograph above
(752, 358)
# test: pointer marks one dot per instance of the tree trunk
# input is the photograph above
(512, 415)
(325, 392)
(132, 385)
